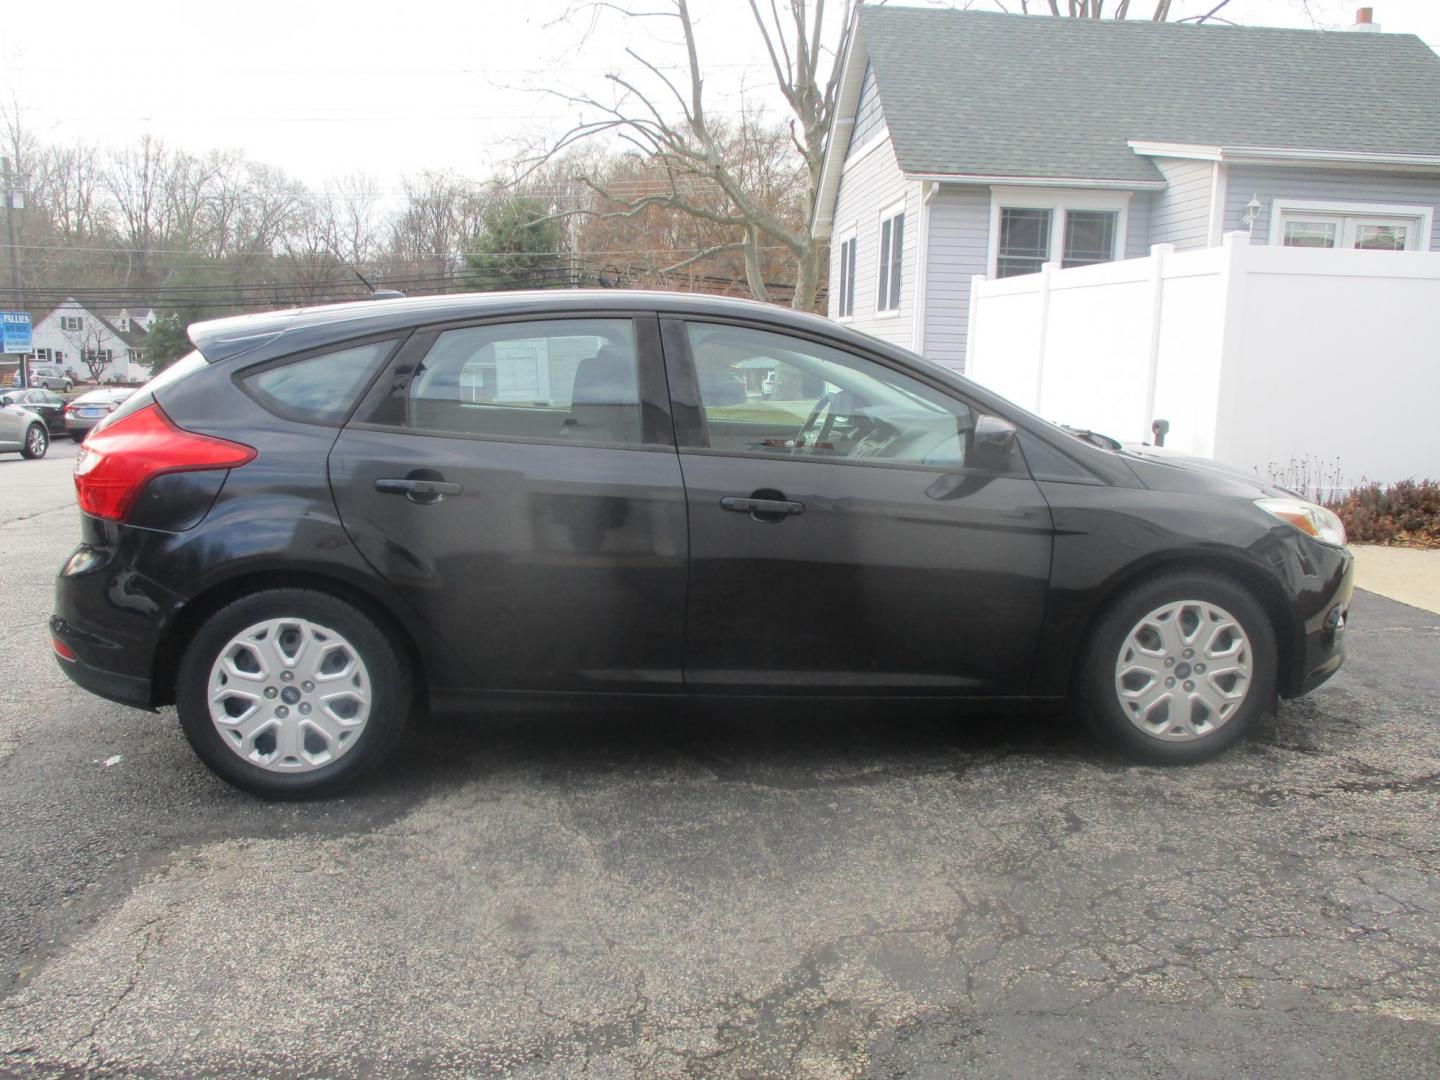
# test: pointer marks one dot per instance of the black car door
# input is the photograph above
(853, 529)
(516, 481)
(49, 407)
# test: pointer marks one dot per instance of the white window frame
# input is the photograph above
(66, 322)
(850, 237)
(890, 212)
(1351, 213)
(1058, 201)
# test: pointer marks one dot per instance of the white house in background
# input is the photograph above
(975, 144)
(68, 333)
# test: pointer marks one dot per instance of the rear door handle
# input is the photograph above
(762, 509)
(417, 491)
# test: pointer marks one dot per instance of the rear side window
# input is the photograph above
(557, 380)
(320, 388)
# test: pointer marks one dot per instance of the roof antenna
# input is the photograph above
(375, 294)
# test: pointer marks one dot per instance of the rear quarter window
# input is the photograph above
(320, 389)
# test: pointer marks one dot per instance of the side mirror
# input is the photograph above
(992, 446)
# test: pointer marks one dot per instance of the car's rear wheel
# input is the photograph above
(1178, 668)
(290, 693)
(37, 441)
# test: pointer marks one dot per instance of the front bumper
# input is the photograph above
(1322, 645)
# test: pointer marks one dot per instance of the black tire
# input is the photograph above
(36, 443)
(1096, 694)
(79, 436)
(69, 386)
(390, 683)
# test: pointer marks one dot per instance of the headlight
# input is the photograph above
(1311, 519)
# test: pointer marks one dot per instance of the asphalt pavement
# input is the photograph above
(798, 892)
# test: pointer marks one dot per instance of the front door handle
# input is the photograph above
(423, 492)
(767, 510)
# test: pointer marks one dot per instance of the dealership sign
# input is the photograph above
(16, 326)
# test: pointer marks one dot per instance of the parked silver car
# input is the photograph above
(22, 430)
(89, 409)
(51, 377)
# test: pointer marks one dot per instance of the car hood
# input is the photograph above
(1167, 470)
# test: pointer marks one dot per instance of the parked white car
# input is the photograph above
(89, 409)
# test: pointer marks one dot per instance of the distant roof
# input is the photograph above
(135, 336)
(975, 93)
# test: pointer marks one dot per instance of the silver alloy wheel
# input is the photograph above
(1183, 670)
(37, 439)
(289, 695)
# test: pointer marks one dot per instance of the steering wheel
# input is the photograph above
(826, 405)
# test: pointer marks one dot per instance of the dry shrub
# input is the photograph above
(1406, 514)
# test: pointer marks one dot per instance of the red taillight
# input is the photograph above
(61, 649)
(117, 460)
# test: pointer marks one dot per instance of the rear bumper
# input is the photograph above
(110, 620)
(125, 689)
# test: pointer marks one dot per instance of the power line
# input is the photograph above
(289, 294)
(678, 251)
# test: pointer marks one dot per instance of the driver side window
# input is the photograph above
(774, 395)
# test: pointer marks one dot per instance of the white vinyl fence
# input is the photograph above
(1282, 360)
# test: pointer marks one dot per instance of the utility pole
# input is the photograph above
(14, 202)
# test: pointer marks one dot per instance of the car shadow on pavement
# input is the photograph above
(791, 744)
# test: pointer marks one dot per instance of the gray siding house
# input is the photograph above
(971, 143)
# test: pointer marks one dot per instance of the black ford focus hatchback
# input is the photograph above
(322, 517)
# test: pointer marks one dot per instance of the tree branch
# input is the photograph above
(700, 256)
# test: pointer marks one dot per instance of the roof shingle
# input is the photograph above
(974, 93)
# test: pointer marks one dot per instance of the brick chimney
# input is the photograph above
(1365, 22)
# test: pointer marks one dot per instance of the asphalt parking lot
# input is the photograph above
(797, 893)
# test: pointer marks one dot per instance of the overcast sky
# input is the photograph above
(392, 87)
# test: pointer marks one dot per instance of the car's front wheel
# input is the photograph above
(1178, 668)
(290, 693)
(37, 441)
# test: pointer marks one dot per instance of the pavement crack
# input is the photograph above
(142, 958)
(67, 505)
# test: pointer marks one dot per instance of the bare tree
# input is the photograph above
(135, 183)
(87, 342)
(72, 193)
(186, 183)
(699, 154)
(273, 206)
(353, 204)
(313, 268)
(224, 205)
(442, 212)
